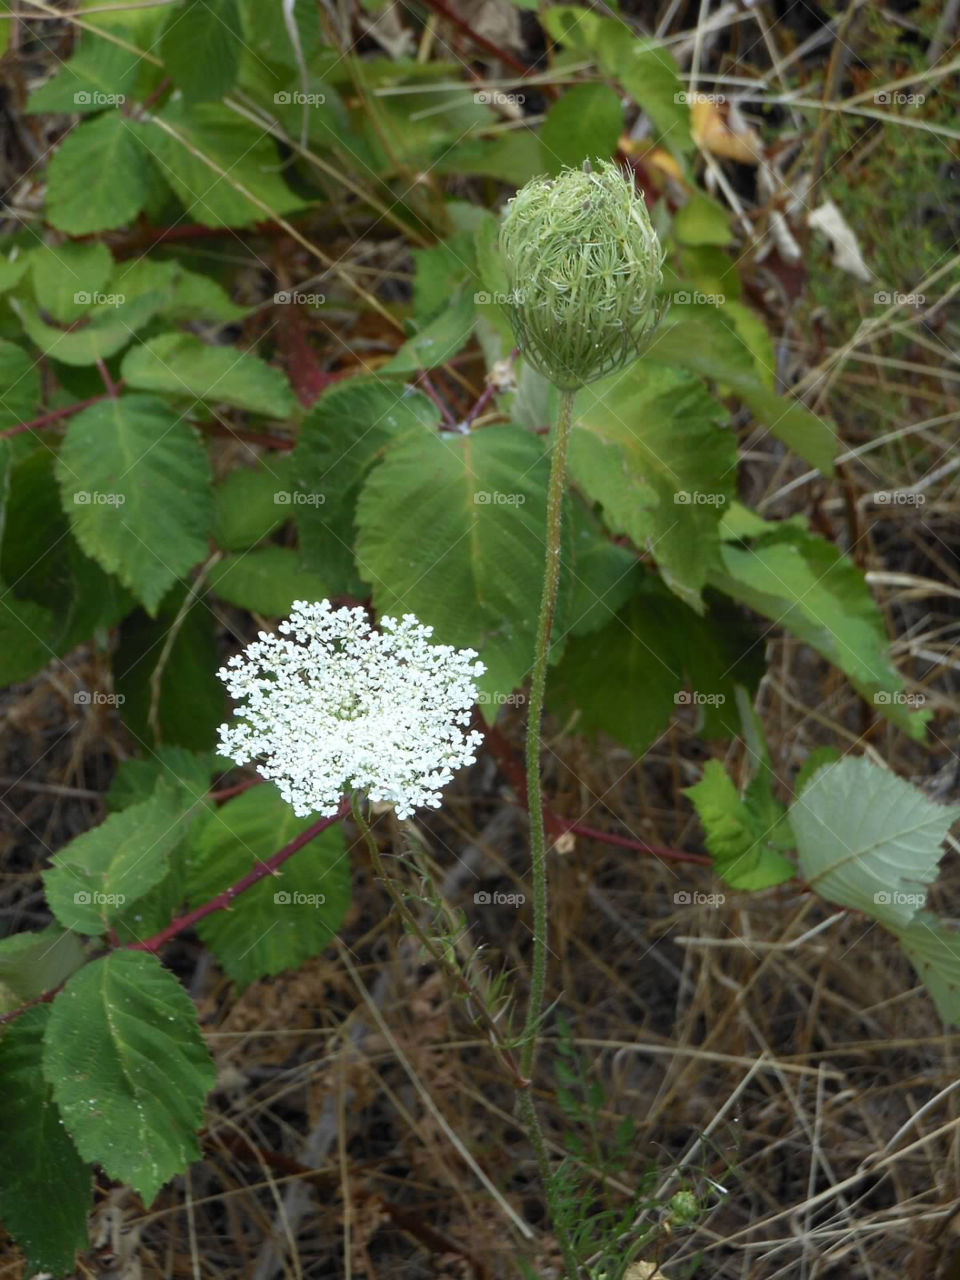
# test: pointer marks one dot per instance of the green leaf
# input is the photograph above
(345, 431)
(279, 922)
(129, 1069)
(112, 325)
(802, 583)
(815, 761)
(934, 951)
(65, 278)
(627, 679)
(19, 386)
(740, 840)
(512, 157)
(110, 867)
(867, 839)
(181, 365)
(136, 780)
(650, 74)
(605, 576)
(147, 507)
(32, 963)
(437, 341)
(266, 581)
(268, 34)
(702, 340)
(584, 124)
(45, 1193)
(211, 157)
(648, 446)
(201, 46)
(702, 221)
(450, 528)
(100, 74)
(251, 502)
(191, 701)
(99, 177)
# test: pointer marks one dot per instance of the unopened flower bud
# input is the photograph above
(583, 267)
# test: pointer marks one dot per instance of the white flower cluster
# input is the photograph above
(333, 706)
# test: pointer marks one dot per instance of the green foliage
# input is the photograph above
(129, 1069)
(584, 124)
(201, 46)
(744, 836)
(85, 192)
(181, 365)
(32, 963)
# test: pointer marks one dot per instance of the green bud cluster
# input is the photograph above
(583, 267)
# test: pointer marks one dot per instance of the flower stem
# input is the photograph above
(538, 682)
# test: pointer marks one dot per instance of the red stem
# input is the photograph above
(55, 415)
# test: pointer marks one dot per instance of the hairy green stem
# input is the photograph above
(538, 683)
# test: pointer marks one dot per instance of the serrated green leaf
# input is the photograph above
(605, 576)
(19, 386)
(934, 951)
(107, 869)
(136, 779)
(66, 277)
(648, 446)
(867, 839)
(251, 502)
(450, 528)
(266, 581)
(206, 154)
(32, 963)
(269, 34)
(201, 46)
(437, 341)
(181, 365)
(99, 178)
(740, 838)
(148, 506)
(99, 75)
(279, 922)
(45, 1192)
(129, 1069)
(111, 326)
(802, 583)
(584, 124)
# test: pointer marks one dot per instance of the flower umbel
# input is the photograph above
(583, 267)
(333, 706)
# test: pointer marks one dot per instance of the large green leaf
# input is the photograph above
(584, 124)
(181, 365)
(450, 528)
(100, 73)
(201, 46)
(647, 445)
(129, 1069)
(45, 1191)
(266, 581)
(109, 326)
(627, 679)
(107, 869)
(802, 583)
(251, 502)
(136, 779)
(345, 431)
(34, 962)
(66, 278)
(99, 177)
(211, 158)
(285, 919)
(136, 487)
(869, 840)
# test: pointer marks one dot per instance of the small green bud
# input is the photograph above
(583, 269)
(684, 1207)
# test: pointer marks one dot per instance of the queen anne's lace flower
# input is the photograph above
(333, 706)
